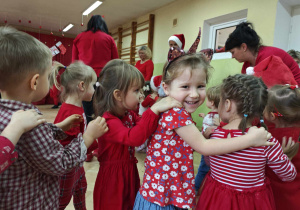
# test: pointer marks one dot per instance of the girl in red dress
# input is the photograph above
(283, 109)
(237, 180)
(169, 175)
(116, 99)
(76, 82)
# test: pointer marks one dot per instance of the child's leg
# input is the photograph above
(79, 191)
(202, 171)
(66, 188)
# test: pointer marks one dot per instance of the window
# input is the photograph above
(217, 30)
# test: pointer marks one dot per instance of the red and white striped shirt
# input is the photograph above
(245, 169)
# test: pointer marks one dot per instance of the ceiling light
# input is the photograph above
(68, 27)
(91, 8)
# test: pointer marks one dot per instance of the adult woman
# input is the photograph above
(95, 47)
(145, 65)
(244, 45)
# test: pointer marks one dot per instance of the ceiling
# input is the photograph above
(51, 15)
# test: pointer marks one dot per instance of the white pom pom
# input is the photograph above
(250, 70)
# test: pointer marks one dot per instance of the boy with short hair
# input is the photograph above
(32, 182)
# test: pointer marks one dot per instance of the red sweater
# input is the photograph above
(266, 51)
(65, 111)
(94, 49)
(146, 69)
(7, 153)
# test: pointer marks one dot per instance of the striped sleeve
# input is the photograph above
(279, 162)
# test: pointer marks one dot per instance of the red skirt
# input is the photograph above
(216, 195)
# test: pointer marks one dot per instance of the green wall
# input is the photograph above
(221, 69)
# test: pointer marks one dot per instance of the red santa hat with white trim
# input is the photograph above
(272, 71)
(179, 39)
(155, 82)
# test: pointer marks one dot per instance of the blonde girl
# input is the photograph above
(116, 98)
(169, 175)
(76, 84)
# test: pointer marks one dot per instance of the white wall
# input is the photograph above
(282, 25)
(295, 34)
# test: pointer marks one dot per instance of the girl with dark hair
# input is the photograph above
(245, 46)
(283, 109)
(237, 180)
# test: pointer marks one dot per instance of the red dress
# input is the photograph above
(146, 69)
(237, 180)
(286, 194)
(118, 180)
(266, 51)
(94, 49)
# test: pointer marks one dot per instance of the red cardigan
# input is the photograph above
(94, 49)
(266, 51)
(146, 69)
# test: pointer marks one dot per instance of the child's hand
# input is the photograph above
(70, 122)
(26, 120)
(259, 137)
(94, 130)
(201, 115)
(208, 131)
(289, 148)
(165, 104)
(153, 95)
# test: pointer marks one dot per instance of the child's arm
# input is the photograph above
(70, 122)
(21, 122)
(279, 162)
(143, 128)
(255, 137)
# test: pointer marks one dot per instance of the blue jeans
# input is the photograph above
(202, 171)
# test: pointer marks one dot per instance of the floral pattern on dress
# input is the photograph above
(169, 174)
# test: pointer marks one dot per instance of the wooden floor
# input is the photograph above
(91, 168)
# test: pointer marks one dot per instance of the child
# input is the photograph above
(116, 98)
(169, 175)
(150, 98)
(283, 109)
(210, 120)
(76, 82)
(237, 179)
(32, 182)
(21, 122)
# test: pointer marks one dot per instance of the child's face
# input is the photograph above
(173, 44)
(132, 98)
(210, 104)
(88, 95)
(188, 88)
(42, 88)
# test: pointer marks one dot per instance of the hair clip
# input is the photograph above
(293, 87)
(97, 84)
(245, 115)
(146, 88)
(277, 113)
(262, 121)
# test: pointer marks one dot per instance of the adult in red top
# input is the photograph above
(95, 47)
(145, 65)
(244, 45)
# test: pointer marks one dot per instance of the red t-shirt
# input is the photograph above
(94, 49)
(146, 69)
(65, 111)
(266, 51)
(169, 174)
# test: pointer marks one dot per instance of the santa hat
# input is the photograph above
(272, 71)
(179, 39)
(155, 82)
